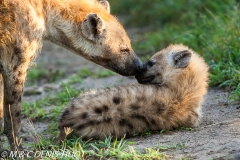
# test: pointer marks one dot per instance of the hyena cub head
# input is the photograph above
(167, 65)
(108, 44)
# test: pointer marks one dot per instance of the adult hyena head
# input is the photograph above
(165, 66)
(96, 35)
(110, 45)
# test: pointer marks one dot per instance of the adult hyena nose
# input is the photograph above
(139, 64)
(136, 67)
(132, 66)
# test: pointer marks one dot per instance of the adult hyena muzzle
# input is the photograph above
(133, 67)
(123, 65)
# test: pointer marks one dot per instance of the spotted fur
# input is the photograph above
(83, 26)
(171, 99)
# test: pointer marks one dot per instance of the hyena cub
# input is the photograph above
(176, 80)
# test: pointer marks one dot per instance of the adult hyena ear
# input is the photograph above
(92, 27)
(181, 59)
(105, 3)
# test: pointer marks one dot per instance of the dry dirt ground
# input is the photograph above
(218, 136)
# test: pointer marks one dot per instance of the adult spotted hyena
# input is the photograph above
(83, 26)
(174, 82)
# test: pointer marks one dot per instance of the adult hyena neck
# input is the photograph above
(73, 10)
(68, 14)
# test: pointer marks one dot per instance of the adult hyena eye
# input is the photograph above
(124, 50)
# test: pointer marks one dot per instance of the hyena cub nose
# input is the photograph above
(141, 76)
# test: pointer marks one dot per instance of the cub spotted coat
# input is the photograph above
(83, 26)
(174, 82)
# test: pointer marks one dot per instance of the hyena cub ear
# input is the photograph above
(181, 59)
(93, 27)
(105, 3)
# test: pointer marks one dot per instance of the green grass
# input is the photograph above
(109, 148)
(161, 12)
(35, 75)
(84, 73)
(37, 111)
(101, 74)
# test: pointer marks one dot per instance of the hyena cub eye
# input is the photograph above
(150, 63)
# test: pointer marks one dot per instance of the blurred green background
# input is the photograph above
(210, 27)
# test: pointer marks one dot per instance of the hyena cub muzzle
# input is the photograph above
(175, 81)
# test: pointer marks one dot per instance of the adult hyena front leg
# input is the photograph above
(13, 88)
(1, 101)
(1, 107)
(14, 77)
